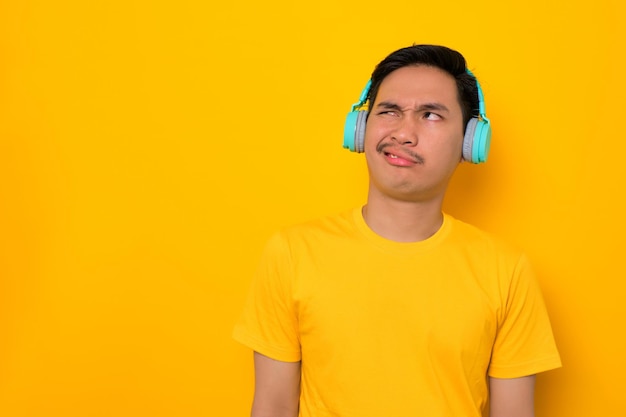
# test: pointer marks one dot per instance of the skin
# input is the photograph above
(277, 387)
(413, 144)
(514, 397)
(417, 118)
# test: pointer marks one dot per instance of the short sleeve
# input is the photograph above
(268, 323)
(524, 342)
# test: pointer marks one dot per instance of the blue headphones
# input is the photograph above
(475, 142)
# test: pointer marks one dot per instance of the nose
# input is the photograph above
(405, 132)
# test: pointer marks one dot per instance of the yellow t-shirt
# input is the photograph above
(396, 329)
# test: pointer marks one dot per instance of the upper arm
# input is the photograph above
(277, 387)
(512, 397)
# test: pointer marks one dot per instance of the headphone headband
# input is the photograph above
(481, 97)
(363, 97)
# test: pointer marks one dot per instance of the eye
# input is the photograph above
(388, 113)
(432, 116)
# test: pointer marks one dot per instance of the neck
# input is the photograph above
(403, 221)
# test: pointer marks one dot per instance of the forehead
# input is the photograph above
(418, 84)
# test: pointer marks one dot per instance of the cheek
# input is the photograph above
(448, 151)
(454, 140)
(375, 134)
(370, 141)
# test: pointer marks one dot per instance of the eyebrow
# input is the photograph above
(422, 107)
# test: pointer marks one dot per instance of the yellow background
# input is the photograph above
(149, 148)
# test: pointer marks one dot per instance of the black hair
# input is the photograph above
(437, 56)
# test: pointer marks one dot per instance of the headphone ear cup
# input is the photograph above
(482, 142)
(359, 133)
(468, 139)
(476, 141)
(349, 131)
(354, 131)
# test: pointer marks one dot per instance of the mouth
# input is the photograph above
(392, 155)
(400, 156)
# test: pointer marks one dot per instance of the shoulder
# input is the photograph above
(322, 234)
(334, 225)
(487, 251)
(473, 237)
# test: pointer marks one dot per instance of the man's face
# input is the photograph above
(414, 134)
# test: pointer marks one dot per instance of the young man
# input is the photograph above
(395, 308)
